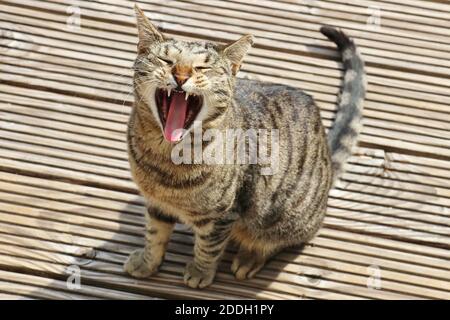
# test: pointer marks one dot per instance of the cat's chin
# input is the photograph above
(177, 110)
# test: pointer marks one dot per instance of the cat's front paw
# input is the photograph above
(138, 267)
(195, 278)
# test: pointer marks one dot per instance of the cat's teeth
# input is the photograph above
(186, 96)
(168, 92)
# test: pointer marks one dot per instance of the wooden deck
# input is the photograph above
(66, 198)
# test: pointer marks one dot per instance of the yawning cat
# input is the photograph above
(183, 86)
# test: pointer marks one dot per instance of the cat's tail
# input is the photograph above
(347, 125)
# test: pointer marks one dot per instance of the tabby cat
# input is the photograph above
(179, 83)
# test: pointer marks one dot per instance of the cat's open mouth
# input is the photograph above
(177, 111)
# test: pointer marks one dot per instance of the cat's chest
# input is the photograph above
(189, 207)
(207, 192)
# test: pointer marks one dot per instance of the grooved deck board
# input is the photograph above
(66, 195)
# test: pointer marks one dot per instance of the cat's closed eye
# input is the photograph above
(165, 60)
(202, 68)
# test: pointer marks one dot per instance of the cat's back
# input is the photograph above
(292, 201)
(246, 87)
(274, 105)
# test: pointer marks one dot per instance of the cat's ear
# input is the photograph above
(148, 33)
(236, 51)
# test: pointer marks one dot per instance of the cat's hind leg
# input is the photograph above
(252, 254)
(249, 261)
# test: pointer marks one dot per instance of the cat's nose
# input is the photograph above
(181, 79)
(181, 74)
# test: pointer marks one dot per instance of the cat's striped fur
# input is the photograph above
(262, 214)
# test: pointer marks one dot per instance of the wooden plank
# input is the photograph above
(55, 129)
(45, 209)
(91, 194)
(405, 172)
(256, 7)
(66, 141)
(331, 12)
(170, 256)
(354, 188)
(380, 172)
(84, 106)
(82, 167)
(398, 185)
(96, 127)
(311, 267)
(73, 193)
(377, 204)
(94, 122)
(372, 126)
(391, 244)
(409, 81)
(409, 7)
(182, 259)
(308, 42)
(39, 292)
(366, 255)
(12, 165)
(165, 284)
(14, 113)
(354, 195)
(293, 258)
(60, 286)
(132, 40)
(117, 208)
(387, 164)
(372, 212)
(109, 44)
(13, 296)
(429, 232)
(423, 208)
(125, 166)
(65, 250)
(31, 148)
(433, 8)
(386, 231)
(267, 13)
(419, 144)
(235, 18)
(250, 68)
(378, 210)
(42, 217)
(116, 120)
(408, 220)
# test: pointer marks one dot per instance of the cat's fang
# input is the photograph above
(186, 96)
(169, 90)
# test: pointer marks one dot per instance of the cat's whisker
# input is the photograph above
(145, 63)
(143, 94)
(126, 98)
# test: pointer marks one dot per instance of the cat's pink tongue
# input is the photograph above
(176, 117)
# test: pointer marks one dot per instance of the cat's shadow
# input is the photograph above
(269, 283)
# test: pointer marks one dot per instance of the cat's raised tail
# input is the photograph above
(347, 125)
